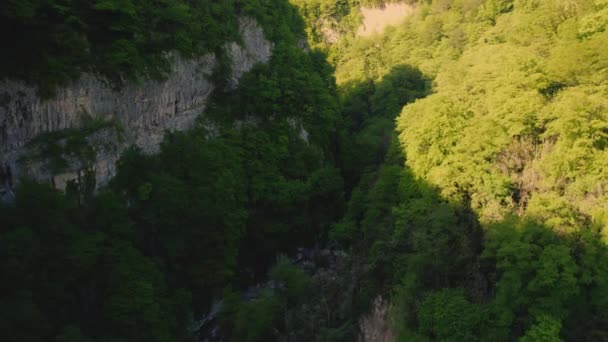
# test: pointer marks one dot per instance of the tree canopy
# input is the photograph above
(454, 164)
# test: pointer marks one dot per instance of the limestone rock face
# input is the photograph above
(255, 48)
(143, 111)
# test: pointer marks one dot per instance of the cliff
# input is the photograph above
(376, 19)
(87, 125)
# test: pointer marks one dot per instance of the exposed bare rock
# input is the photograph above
(376, 327)
(144, 111)
(376, 19)
(254, 48)
(330, 33)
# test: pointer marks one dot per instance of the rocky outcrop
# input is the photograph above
(376, 19)
(253, 49)
(326, 268)
(376, 326)
(143, 112)
(329, 30)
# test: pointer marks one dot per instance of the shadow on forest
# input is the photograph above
(394, 224)
(176, 230)
(448, 276)
(369, 110)
(375, 184)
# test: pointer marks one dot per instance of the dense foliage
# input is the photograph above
(512, 135)
(480, 212)
(49, 43)
(173, 231)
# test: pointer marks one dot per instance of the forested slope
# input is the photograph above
(477, 211)
(121, 41)
(517, 102)
(495, 229)
(144, 257)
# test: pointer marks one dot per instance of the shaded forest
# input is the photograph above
(454, 165)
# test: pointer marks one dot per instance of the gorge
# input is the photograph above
(304, 170)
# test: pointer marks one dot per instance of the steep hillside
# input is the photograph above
(261, 171)
(144, 256)
(137, 114)
(495, 229)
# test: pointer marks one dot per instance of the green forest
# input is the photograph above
(455, 165)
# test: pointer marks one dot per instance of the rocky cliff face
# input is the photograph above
(376, 19)
(139, 115)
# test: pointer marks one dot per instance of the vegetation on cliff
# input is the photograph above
(49, 43)
(478, 209)
(172, 232)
